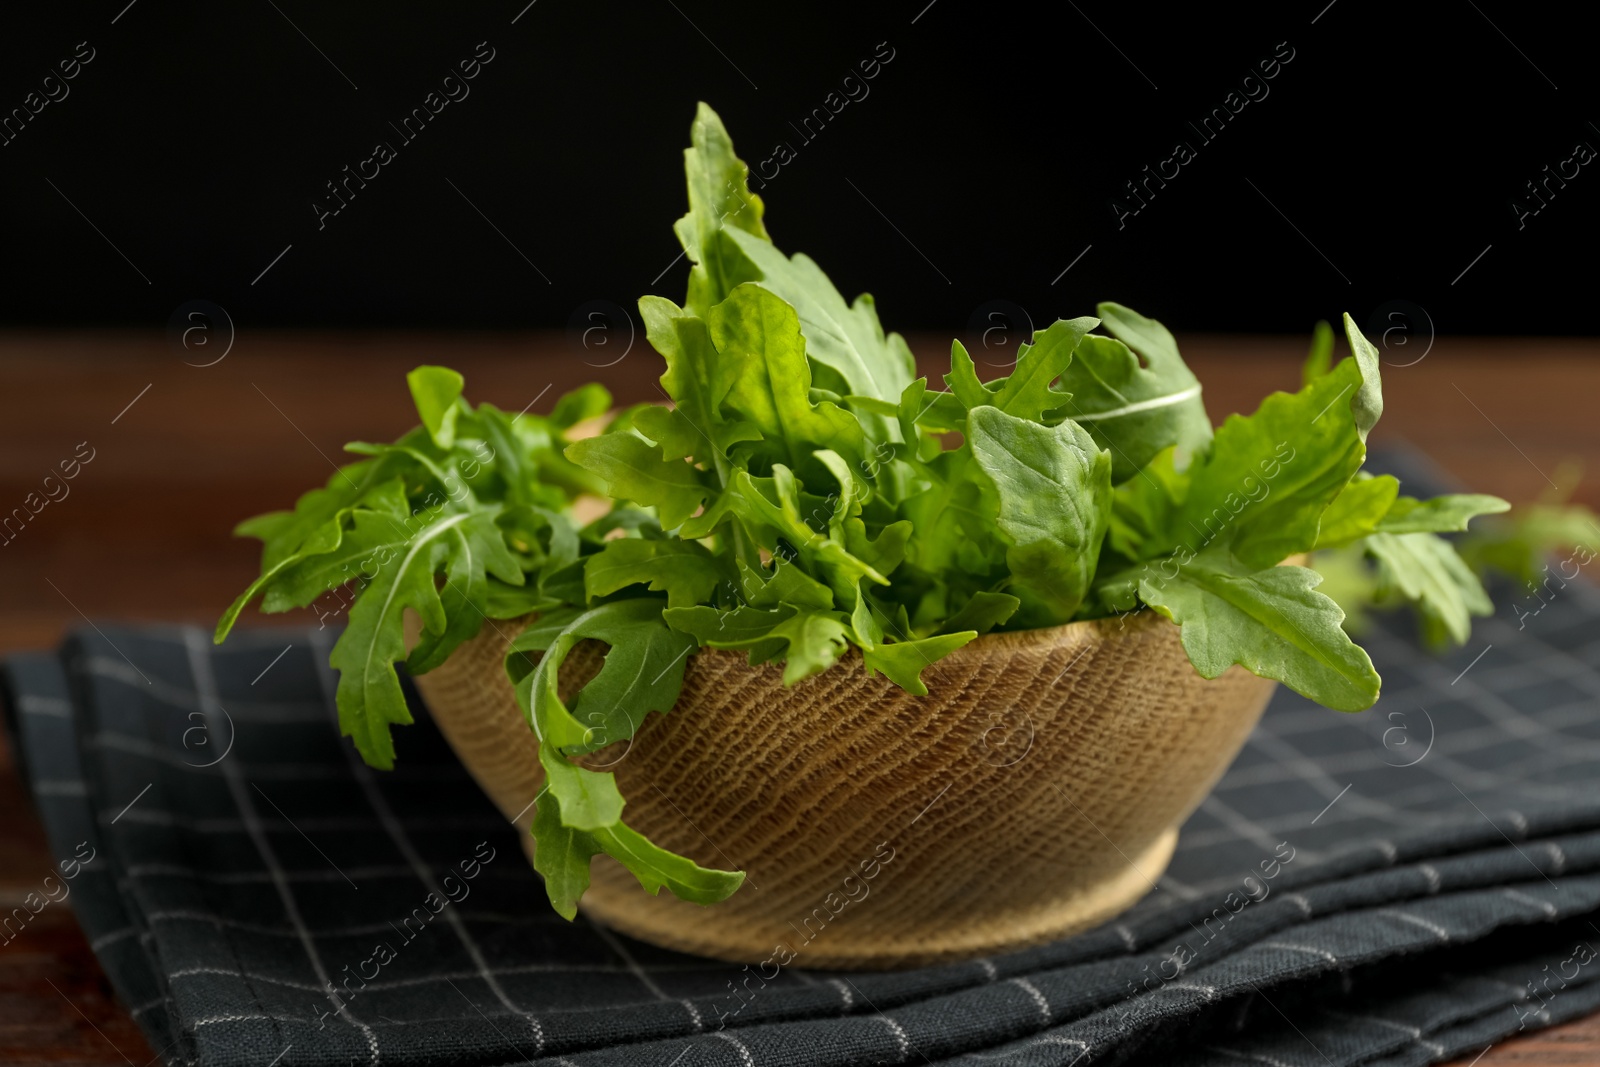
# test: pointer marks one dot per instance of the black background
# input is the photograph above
(982, 163)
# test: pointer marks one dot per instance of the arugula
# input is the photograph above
(1134, 393)
(806, 499)
(452, 518)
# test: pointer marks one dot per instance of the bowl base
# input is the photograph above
(635, 914)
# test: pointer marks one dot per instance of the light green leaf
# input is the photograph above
(1368, 403)
(1053, 486)
(1357, 510)
(589, 800)
(642, 672)
(760, 335)
(1134, 394)
(474, 550)
(562, 856)
(814, 640)
(963, 379)
(656, 868)
(781, 517)
(885, 552)
(324, 539)
(983, 612)
(282, 533)
(1262, 486)
(634, 470)
(1442, 514)
(1425, 569)
(1145, 510)
(1320, 357)
(1348, 582)
(902, 662)
(846, 338)
(1272, 621)
(1027, 393)
(720, 201)
(698, 379)
(588, 401)
(437, 391)
(514, 601)
(788, 584)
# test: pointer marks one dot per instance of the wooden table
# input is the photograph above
(180, 453)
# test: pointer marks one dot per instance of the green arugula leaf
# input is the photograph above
(1320, 358)
(1357, 510)
(1367, 405)
(699, 379)
(815, 639)
(1145, 510)
(514, 601)
(282, 533)
(720, 202)
(1441, 514)
(562, 857)
(1027, 392)
(1053, 490)
(1425, 569)
(779, 516)
(437, 392)
(1271, 621)
(760, 335)
(788, 584)
(847, 339)
(580, 810)
(740, 627)
(1263, 485)
(588, 401)
(476, 550)
(369, 695)
(634, 470)
(323, 540)
(902, 662)
(983, 612)
(963, 380)
(643, 672)
(658, 869)
(684, 570)
(1134, 394)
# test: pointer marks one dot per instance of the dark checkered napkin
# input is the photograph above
(1394, 887)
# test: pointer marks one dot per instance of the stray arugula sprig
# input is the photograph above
(798, 501)
(1376, 572)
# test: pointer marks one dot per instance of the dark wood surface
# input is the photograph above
(144, 530)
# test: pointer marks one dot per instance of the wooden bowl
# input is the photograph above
(1035, 792)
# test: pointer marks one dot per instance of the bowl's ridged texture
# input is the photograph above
(1035, 792)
